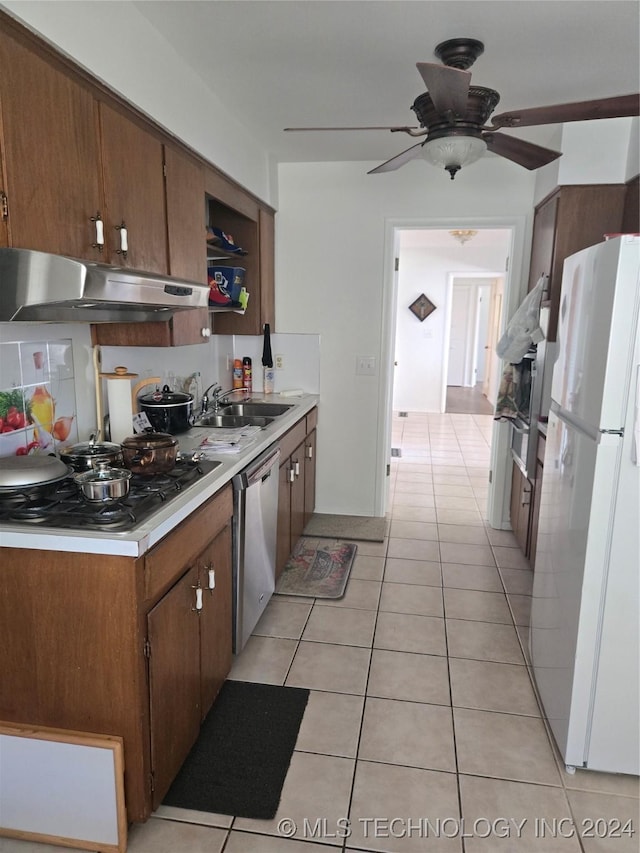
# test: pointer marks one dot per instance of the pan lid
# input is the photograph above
(17, 471)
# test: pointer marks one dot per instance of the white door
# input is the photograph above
(492, 366)
(459, 343)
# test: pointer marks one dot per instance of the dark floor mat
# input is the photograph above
(239, 762)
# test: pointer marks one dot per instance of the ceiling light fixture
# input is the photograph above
(453, 152)
(462, 235)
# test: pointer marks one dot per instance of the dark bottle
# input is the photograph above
(246, 374)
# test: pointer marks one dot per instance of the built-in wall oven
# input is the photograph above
(535, 372)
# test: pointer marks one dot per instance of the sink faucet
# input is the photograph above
(218, 395)
(204, 404)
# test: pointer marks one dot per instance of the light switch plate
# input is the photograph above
(365, 365)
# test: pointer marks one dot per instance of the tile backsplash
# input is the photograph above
(38, 411)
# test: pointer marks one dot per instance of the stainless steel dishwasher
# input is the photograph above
(255, 521)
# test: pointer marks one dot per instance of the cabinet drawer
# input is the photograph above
(312, 420)
(290, 440)
(164, 564)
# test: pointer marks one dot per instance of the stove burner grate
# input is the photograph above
(66, 507)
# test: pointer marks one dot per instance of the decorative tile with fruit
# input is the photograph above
(37, 397)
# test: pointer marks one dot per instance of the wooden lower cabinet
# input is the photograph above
(110, 644)
(535, 500)
(296, 491)
(520, 508)
(189, 650)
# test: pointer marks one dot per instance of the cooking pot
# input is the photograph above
(31, 475)
(103, 483)
(150, 452)
(84, 456)
(168, 411)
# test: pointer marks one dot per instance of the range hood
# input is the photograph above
(35, 286)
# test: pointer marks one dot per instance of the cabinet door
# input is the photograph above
(216, 639)
(535, 514)
(520, 508)
(544, 231)
(184, 184)
(185, 327)
(174, 680)
(266, 224)
(283, 542)
(309, 476)
(134, 193)
(51, 155)
(297, 493)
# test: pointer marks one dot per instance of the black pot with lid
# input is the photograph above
(168, 411)
(87, 454)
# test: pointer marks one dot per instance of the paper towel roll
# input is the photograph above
(120, 409)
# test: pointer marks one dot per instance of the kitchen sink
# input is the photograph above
(250, 409)
(229, 421)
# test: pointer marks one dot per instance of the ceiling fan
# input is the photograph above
(453, 116)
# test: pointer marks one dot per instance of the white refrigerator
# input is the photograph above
(584, 630)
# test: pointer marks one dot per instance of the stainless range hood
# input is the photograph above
(35, 286)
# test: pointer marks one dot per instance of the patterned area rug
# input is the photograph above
(317, 568)
(365, 528)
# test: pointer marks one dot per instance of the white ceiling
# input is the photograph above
(289, 63)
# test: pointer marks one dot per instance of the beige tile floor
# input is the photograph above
(422, 731)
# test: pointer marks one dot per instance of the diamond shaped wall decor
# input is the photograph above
(422, 307)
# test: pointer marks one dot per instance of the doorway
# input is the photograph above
(472, 370)
(415, 376)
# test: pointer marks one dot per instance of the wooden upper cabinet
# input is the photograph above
(184, 186)
(76, 159)
(132, 165)
(570, 219)
(266, 220)
(51, 166)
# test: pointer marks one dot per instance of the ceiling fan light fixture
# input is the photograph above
(453, 152)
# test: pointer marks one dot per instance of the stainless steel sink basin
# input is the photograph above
(229, 420)
(250, 409)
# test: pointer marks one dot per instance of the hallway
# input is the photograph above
(467, 401)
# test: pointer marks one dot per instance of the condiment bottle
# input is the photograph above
(237, 373)
(246, 374)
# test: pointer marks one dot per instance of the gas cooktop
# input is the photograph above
(66, 507)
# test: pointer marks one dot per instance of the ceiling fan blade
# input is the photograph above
(398, 160)
(417, 131)
(520, 151)
(448, 87)
(621, 105)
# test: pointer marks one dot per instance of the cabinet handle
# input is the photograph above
(198, 606)
(292, 475)
(97, 219)
(205, 332)
(124, 240)
(212, 579)
(296, 466)
(309, 451)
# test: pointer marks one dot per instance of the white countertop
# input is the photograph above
(134, 543)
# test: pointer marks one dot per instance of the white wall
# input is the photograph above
(334, 274)
(420, 346)
(115, 43)
(593, 152)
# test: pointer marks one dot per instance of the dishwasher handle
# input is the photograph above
(260, 468)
